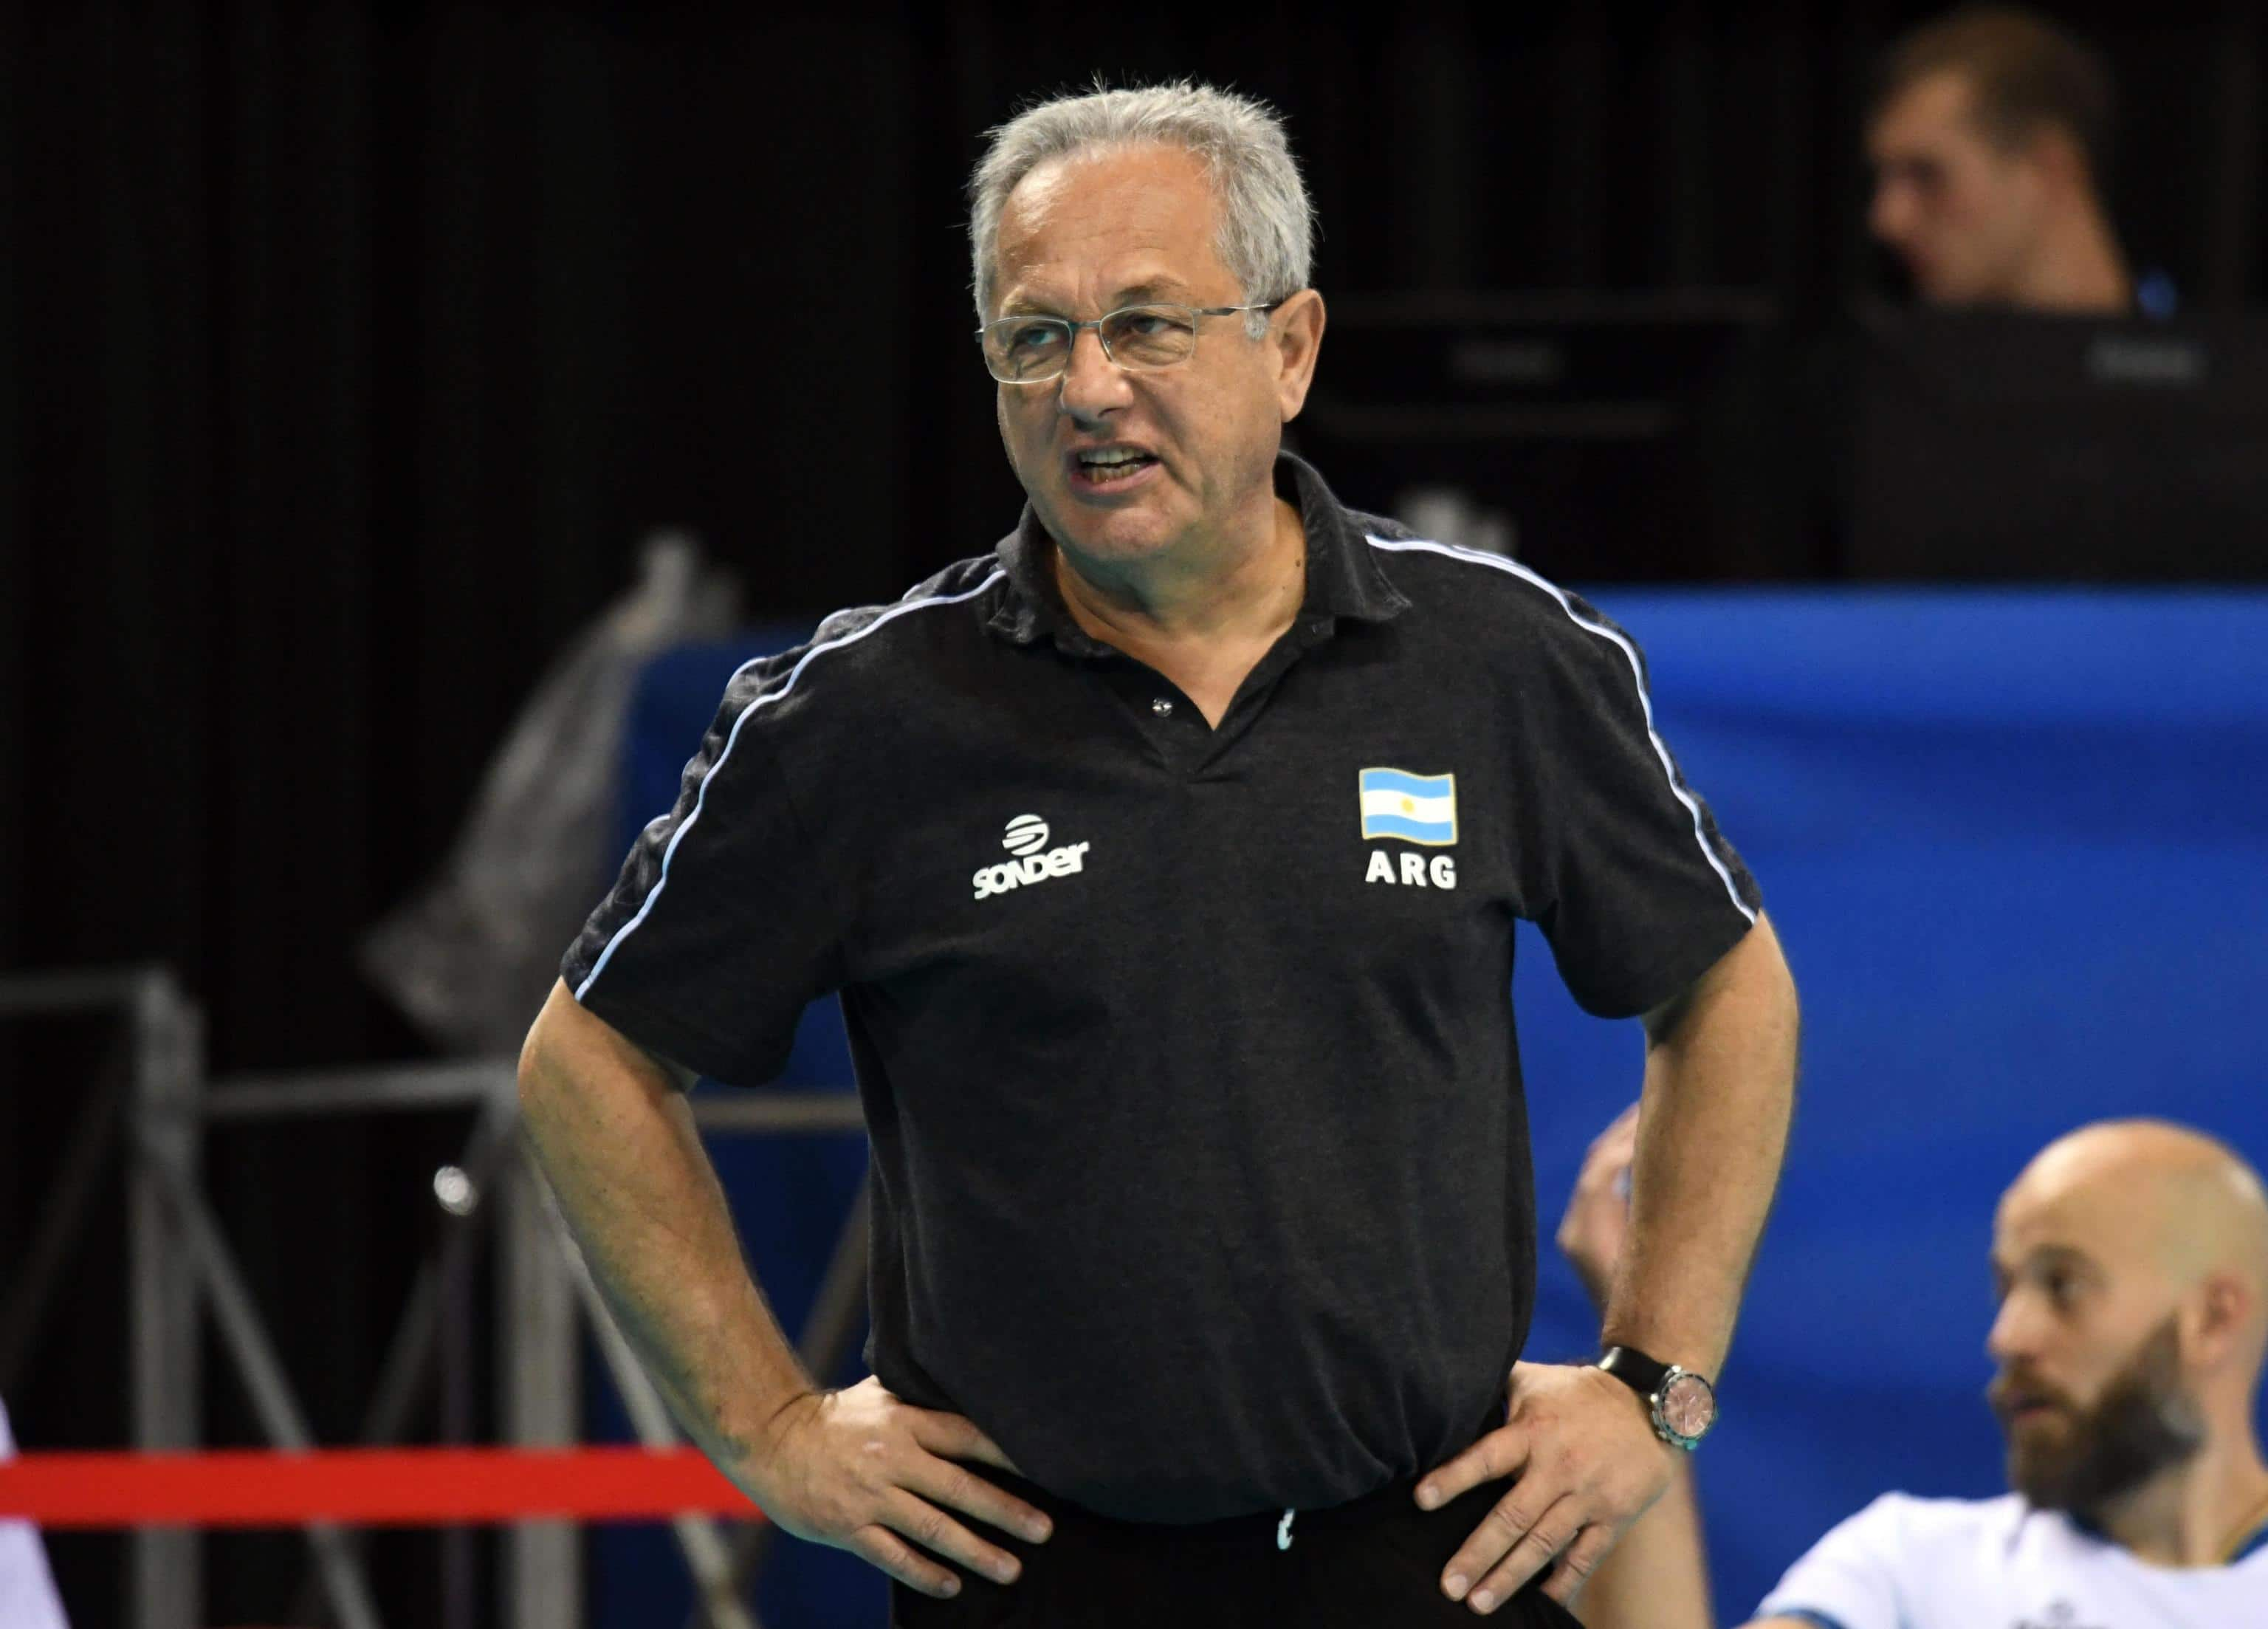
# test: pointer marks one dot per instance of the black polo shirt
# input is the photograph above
(1200, 1155)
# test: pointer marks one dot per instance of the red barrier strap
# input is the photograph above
(375, 1487)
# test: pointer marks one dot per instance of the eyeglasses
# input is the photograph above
(1032, 350)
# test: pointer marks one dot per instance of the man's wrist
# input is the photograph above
(749, 1438)
(1681, 1402)
(781, 1419)
(1618, 1327)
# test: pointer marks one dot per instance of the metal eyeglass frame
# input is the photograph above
(1072, 344)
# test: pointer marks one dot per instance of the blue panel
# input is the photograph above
(2017, 845)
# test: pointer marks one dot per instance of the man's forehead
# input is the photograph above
(2078, 1209)
(1056, 286)
(2022, 1228)
(1145, 174)
(1135, 221)
(1925, 114)
(2165, 1197)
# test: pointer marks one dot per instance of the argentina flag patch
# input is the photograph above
(1417, 808)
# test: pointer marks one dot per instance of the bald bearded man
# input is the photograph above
(2131, 1259)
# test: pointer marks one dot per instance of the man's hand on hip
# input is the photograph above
(1587, 1464)
(863, 1472)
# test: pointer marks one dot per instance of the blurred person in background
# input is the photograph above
(1989, 139)
(1204, 1216)
(1988, 135)
(2131, 1262)
(28, 1590)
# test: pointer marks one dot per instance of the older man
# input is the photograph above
(1989, 137)
(1167, 859)
(2131, 1263)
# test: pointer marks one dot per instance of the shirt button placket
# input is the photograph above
(1163, 706)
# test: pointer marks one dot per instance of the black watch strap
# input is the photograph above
(1641, 1374)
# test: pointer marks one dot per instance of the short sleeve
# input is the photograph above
(1639, 894)
(1850, 1579)
(728, 916)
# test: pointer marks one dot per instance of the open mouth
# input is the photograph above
(1109, 468)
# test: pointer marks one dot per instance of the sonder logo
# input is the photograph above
(1026, 836)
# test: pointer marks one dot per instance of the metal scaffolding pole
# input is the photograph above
(168, 1075)
(180, 1262)
(262, 1371)
(540, 1370)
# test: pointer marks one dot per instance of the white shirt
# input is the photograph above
(28, 1590)
(1907, 1563)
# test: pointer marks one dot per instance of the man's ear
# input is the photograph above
(2056, 153)
(1296, 334)
(2224, 1309)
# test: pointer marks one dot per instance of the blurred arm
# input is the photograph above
(1656, 1577)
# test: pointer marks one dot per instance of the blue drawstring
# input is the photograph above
(1283, 1531)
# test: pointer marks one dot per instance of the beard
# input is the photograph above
(2143, 1423)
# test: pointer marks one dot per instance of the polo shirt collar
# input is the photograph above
(1344, 579)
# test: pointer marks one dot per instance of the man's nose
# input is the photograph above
(2014, 1334)
(1092, 384)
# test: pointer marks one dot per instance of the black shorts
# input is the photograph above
(1373, 1564)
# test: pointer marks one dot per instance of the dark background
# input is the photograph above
(346, 350)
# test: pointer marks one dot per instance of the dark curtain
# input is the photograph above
(347, 350)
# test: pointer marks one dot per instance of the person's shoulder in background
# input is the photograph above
(1881, 1567)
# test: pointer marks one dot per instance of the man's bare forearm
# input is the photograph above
(1719, 1089)
(616, 1138)
(1656, 1576)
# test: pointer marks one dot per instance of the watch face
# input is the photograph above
(1688, 1406)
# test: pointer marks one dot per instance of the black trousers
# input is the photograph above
(1373, 1564)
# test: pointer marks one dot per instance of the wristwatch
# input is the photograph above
(1683, 1404)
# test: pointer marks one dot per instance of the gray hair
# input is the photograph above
(1267, 222)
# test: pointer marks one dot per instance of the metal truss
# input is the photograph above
(181, 1266)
